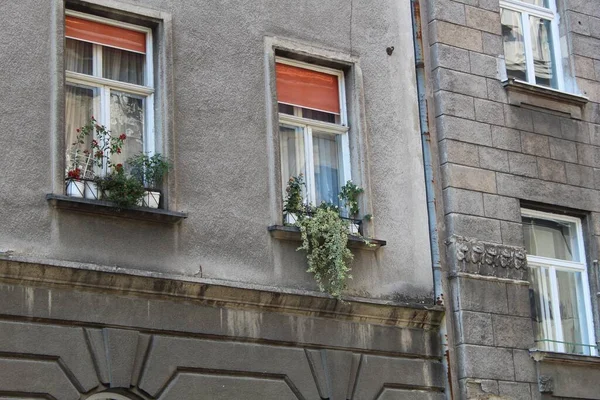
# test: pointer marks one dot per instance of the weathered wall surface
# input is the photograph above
(500, 149)
(69, 333)
(213, 121)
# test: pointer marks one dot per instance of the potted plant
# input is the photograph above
(122, 189)
(349, 195)
(103, 145)
(293, 206)
(149, 171)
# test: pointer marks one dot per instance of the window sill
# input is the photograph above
(106, 208)
(292, 233)
(564, 358)
(523, 93)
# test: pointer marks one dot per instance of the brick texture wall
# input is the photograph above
(496, 151)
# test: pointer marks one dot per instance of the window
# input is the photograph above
(313, 128)
(558, 276)
(531, 42)
(109, 75)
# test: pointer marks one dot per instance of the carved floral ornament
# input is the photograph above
(476, 252)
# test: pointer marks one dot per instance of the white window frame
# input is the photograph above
(104, 85)
(307, 125)
(549, 13)
(553, 265)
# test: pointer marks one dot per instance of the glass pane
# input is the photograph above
(79, 108)
(78, 56)
(325, 154)
(122, 65)
(543, 321)
(127, 116)
(572, 312)
(286, 109)
(319, 115)
(553, 239)
(543, 62)
(541, 3)
(514, 47)
(291, 143)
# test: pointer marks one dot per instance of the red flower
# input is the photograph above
(74, 173)
(78, 130)
(99, 153)
(94, 143)
(85, 152)
(119, 150)
(123, 136)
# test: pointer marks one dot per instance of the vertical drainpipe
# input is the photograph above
(429, 180)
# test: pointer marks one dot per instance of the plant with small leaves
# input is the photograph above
(104, 144)
(325, 240)
(149, 170)
(123, 190)
(349, 195)
(294, 202)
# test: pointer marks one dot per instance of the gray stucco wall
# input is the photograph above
(501, 149)
(214, 120)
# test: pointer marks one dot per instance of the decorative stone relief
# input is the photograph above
(546, 384)
(473, 256)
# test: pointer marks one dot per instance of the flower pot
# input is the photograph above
(151, 199)
(75, 188)
(91, 190)
(353, 228)
(291, 218)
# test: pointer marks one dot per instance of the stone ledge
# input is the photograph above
(106, 208)
(565, 358)
(520, 93)
(292, 233)
(212, 292)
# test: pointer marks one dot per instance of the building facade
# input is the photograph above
(207, 296)
(473, 127)
(515, 87)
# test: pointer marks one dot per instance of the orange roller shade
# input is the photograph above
(106, 35)
(307, 88)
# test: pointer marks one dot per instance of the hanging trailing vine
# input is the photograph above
(325, 234)
(325, 240)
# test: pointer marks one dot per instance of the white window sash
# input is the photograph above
(547, 13)
(553, 265)
(105, 85)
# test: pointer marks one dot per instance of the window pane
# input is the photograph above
(572, 312)
(319, 115)
(553, 239)
(286, 109)
(78, 56)
(514, 47)
(79, 108)
(325, 154)
(127, 116)
(541, 3)
(543, 321)
(542, 54)
(291, 143)
(123, 66)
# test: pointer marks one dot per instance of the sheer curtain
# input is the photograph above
(542, 56)
(514, 47)
(292, 153)
(325, 154)
(122, 65)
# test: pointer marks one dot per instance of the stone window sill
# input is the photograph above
(106, 208)
(523, 93)
(292, 233)
(564, 358)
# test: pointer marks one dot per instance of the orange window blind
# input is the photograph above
(106, 35)
(307, 88)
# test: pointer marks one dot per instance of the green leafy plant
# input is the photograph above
(349, 195)
(124, 190)
(104, 143)
(325, 240)
(149, 170)
(294, 203)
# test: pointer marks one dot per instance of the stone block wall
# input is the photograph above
(502, 147)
